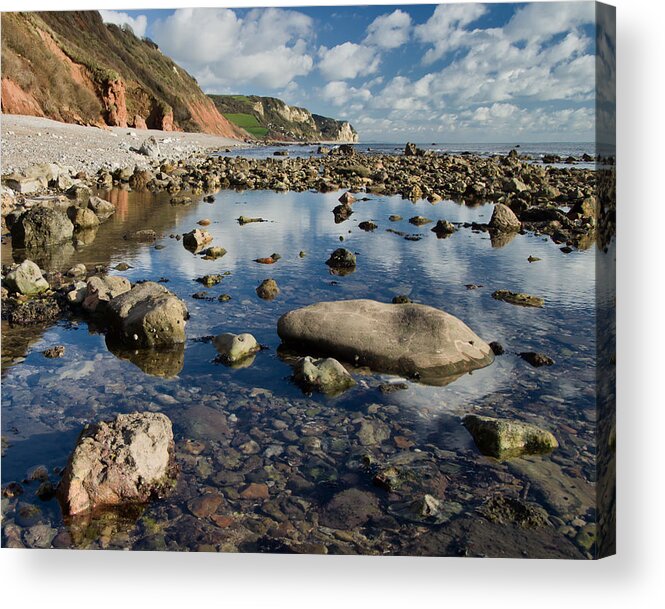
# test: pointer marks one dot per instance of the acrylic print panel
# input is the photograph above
(330, 280)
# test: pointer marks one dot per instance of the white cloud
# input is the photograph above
(518, 61)
(496, 111)
(542, 20)
(389, 31)
(348, 60)
(267, 47)
(377, 80)
(443, 29)
(138, 23)
(340, 93)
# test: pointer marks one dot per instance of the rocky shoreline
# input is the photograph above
(278, 454)
(559, 202)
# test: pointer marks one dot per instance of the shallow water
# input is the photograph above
(46, 402)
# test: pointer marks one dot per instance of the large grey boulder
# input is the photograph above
(503, 438)
(127, 460)
(26, 279)
(41, 226)
(504, 219)
(326, 375)
(408, 339)
(148, 315)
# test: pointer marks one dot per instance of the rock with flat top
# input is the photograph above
(408, 339)
(35, 178)
(518, 298)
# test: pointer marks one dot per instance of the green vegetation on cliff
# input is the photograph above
(249, 123)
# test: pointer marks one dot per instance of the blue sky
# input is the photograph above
(457, 73)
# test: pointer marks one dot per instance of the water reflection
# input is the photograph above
(54, 258)
(167, 363)
(94, 380)
(85, 237)
(501, 239)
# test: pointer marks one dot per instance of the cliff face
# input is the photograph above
(271, 118)
(72, 67)
(335, 131)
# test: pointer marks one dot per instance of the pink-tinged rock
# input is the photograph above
(127, 460)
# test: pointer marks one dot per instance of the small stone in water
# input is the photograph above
(205, 505)
(497, 348)
(536, 359)
(202, 296)
(255, 491)
(209, 280)
(268, 289)
(38, 472)
(54, 352)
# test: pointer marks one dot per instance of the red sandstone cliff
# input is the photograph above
(72, 67)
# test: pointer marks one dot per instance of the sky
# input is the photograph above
(450, 73)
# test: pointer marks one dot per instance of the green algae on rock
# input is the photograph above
(518, 298)
(503, 438)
